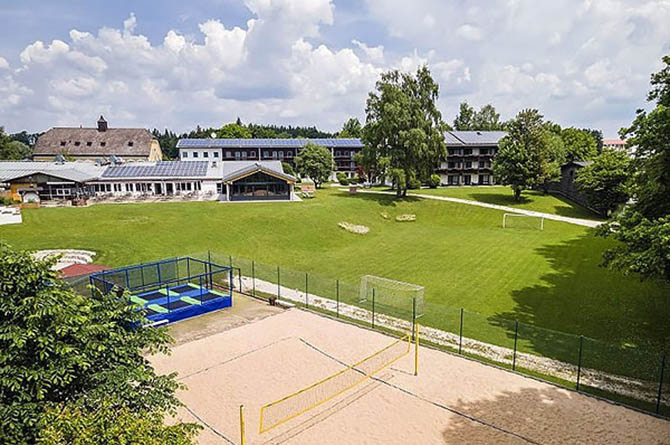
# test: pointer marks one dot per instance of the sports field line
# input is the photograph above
(423, 399)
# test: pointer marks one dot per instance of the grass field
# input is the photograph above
(530, 200)
(458, 252)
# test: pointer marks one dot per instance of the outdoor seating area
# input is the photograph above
(111, 198)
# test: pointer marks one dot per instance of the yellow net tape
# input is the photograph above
(280, 411)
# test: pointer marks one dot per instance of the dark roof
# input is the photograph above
(233, 170)
(475, 138)
(90, 141)
(175, 169)
(269, 143)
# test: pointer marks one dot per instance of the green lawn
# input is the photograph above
(530, 200)
(460, 253)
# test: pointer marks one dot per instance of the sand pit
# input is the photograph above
(452, 400)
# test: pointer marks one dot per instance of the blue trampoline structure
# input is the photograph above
(171, 289)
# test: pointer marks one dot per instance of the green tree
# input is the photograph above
(486, 119)
(465, 119)
(643, 228)
(233, 131)
(314, 162)
(404, 125)
(604, 183)
(351, 129)
(11, 149)
(107, 424)
(60, 347)
(288, 168)
(551, 160)
(522, 153)
(579, 145)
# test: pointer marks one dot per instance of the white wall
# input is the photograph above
(187, 154)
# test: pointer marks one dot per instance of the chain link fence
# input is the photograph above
(624, 375)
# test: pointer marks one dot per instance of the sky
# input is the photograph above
(176, 64)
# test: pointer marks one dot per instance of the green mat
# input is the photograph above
(190, 300)
(137, 300)
(218, 293)
(157, 308)
(165, 292)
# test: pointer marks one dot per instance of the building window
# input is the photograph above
(130, 143)
(451, 164)
(62, 143)
(205, 154)
(252, 154)
(274, 155)
(483, 151)
(244, 155)
(266, 154)
(482, 164)
(219, 188)
(468, 164)
(103, 143)
(281, 155)
(216, 154)
(184, 154)
(89, 143)
(467, 179)
(129, 187)
(195, 154)
(77, 144)
(467, 151)
(229, 155)
(238, 155)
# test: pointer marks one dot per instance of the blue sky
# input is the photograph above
(312, 62)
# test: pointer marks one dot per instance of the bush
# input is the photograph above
(5, 201)
(341, 177)
(344, 181)
(434, 181)
(413, 184)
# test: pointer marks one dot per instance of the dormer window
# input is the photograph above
(88, 144)
(77, 144)
(103, 143)
(62, 143)
(130, 143)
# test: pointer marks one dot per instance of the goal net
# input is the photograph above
(519, 221)
(280, 411)
(395, 295)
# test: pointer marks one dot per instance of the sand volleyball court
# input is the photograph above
(452, 401)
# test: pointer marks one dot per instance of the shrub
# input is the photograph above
(344, 181)
(413, 184)
(434, 181)
(341, 176)
(5, 201)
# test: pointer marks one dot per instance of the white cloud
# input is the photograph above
(3, 63)
(469, 32)
(373, 53)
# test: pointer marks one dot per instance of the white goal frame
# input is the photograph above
(521, 215)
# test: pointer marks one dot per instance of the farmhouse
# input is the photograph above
(97, 144)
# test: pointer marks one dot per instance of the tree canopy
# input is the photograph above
(233, 131)
(643, 228)
(522, 155)
(404, 125)
(314, 162)
(579, 144)
(604, 183)
(486, 119)
(12, 149)
(60, 348)
(351, 129)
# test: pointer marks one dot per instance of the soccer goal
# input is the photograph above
(396, 295)
(519, 221)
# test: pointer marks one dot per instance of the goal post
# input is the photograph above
(293, 405)
(401, 296)
(521, 221)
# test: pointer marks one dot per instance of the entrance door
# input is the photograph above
(169, 189)
(158, 188)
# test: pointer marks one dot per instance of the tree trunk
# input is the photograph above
(398, 192)
(517, 194)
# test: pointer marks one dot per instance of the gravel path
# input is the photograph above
(566, 219)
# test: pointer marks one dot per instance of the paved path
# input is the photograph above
(567, 219)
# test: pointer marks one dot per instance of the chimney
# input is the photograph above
(102, 124)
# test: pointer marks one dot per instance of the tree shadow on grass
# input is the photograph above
(382, 199)
(543, 415)
(579, 297)
(569, 209)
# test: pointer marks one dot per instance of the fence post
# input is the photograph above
(167, 290)
(373, 308)
(579, 363)
(230, 260)
(278, 283)
(239, 278)
(460, 334)
(253, 276)
(413, 317)
(516, 335)
(338, 297)
(306, 290)
(660, 386)
(209, 269)
(242, 439)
